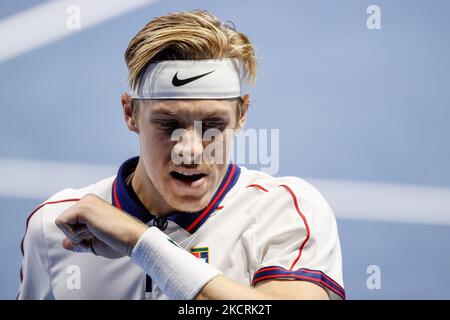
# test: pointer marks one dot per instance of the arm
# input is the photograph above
(221, 288)
(93, 223)
(295, 238)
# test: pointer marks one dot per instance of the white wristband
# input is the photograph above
(179, 274)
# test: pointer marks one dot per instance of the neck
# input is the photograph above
(147, 193)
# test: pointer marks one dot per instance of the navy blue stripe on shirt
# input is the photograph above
(315, 276)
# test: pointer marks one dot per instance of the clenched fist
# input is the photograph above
(95, 225)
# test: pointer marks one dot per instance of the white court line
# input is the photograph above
(386, 201)
(30, 179)
(47, 22)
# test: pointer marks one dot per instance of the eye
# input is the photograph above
(167, 125)
(214, 123)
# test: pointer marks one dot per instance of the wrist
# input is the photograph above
(175, 271)
(136, 233)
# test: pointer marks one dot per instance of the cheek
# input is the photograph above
(220, 148)
(155, 145)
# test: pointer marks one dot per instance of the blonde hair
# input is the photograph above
(191, 35)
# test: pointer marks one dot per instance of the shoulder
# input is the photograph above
(287, 193)
(101, 188)
(290, 185)
(65, 198)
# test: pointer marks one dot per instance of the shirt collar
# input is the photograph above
(124, 197)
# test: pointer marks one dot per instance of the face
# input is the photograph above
(185, 146)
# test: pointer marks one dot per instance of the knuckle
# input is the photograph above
(89, 197)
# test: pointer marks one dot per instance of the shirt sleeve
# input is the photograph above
(34, 274)
(295, 237)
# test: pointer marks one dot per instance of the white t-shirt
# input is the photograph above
(256, 227)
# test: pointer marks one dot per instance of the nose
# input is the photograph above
(189, 147)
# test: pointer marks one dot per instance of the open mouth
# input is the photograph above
(187, 177)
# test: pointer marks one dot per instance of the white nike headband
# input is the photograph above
(190, 79)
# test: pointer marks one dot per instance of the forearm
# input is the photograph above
(221, 288)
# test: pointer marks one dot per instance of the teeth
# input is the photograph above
(188, 174)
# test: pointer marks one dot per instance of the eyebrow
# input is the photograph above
(169, 112)
(217, 113)
(165, 111)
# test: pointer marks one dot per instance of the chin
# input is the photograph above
(189, 206)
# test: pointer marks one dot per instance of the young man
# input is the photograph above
(180, 221)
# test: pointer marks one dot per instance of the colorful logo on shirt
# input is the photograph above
(201, 253)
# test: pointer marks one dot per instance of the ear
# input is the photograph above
(243, 118)
(128, 114)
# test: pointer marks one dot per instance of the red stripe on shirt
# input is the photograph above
(306, 278)
(205, 212)
(26, 228)
(35, 210)
(308, 233)
(116, 198)
(258, 186)
(302, 269)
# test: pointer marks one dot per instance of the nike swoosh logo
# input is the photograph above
(180, 82)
